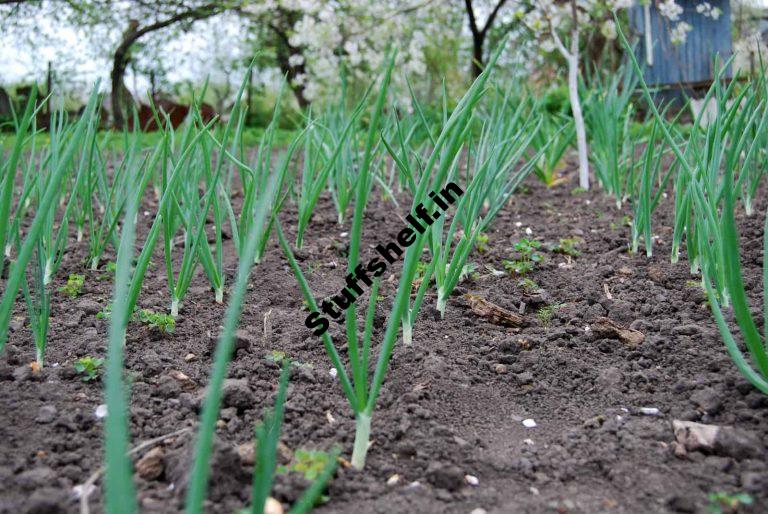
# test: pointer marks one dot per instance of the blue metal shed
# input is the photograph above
(685, 65)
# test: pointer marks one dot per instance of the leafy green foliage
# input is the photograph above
(529, 286)
(726, 503)
(163, 323)
(89, 368)
(74, 286)
(546, 313)
(567, 246)
(309, 463)
(528, 257)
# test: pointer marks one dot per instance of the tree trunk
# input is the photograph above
(578, 117)
(120, 93)
(478, 41)
(283, 54)
(572, 58)
(117, 96)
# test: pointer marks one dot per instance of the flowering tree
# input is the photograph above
(314, 37)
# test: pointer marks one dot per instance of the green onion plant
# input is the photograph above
(362, 390)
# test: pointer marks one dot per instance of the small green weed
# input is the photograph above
(163, 323)
(481, 243)
(528, 257)
(529, 286)
(89, 367)
(309, 463)
(281, 357)
(74, 286)
(567, 246)
(546, 313)
(724, 503)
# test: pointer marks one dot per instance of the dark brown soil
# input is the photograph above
(452, 404)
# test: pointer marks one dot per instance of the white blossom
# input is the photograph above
(608, 29)
(679, 33)
(670, 10)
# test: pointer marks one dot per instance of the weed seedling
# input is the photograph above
(163, 323)
(89, 368)
(309, 463)
(546, 313)
(528, 257)
(529, 286)
(281, 358)
(724, 503)
(74, 286)
(567, 246)
(481, 243)
(105, 313)
(276, 356)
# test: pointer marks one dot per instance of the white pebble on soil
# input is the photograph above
(529, 423)
(649, 411)
(472, 480)
(79, 490)
(101, 411)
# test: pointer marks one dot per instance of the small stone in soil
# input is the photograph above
(88, 306)
(445, 476)
(46, 414)
(529, 423)
(47, 500)
(681, 504)
(236, 393)
(152, 464)
(22, 373)
(247, 453)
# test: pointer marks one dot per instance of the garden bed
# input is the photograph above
(452, 405)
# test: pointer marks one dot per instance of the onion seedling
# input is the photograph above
(316, 170)
(502, 144)
(8, 176)
(188, 212)
(361, 392)
(198, 482)
(722, 242)
(254, 180)
(174, 176)
(38, 304)
(110, 194)
(648, 189)
(120, 491)
(331, 132)
(550, 143)
(47, 203)
(608, 114)
(267, 434)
